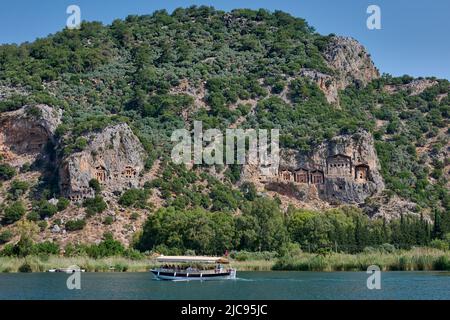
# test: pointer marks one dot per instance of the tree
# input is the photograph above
(268, 223)
(106, 248)
(437, 228)
(27, 231)
(311, 229)
(195, 229)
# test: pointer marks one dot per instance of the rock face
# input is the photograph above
(325, 82)
(115, 157)
(349, 59)
(391, 207)
(350, 63)
(343, 170)
(415, 87)
(24, 133)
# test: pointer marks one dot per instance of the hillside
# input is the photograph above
(87, 115)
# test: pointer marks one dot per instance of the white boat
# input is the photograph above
(192, 271)
(67, 270)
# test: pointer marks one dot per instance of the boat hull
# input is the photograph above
(184, 276)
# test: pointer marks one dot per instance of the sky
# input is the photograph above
(413, 39)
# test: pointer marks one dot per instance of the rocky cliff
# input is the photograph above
(350, 64)
(115, 157)
(24, 133)
(342, 170)
(350, 61)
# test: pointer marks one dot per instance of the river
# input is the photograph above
(249, 285)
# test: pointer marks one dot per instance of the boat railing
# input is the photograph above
(192, 270)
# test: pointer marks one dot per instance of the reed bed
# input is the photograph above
(42, 264)
(417, 259)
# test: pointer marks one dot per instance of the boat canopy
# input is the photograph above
(189, 259)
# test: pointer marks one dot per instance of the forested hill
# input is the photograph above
(245, 68)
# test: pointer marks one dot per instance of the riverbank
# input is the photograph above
(417, 259)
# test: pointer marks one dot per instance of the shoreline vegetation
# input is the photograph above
(416, 259)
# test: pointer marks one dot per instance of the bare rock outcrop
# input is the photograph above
(24, 133)
(350, 62)
(325, 82)
(415, 87)
(391, 207)
(115, 157)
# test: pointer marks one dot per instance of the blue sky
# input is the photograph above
(414, 38)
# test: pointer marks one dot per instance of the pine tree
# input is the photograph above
(437, 228)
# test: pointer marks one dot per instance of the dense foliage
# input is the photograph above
(263, 227)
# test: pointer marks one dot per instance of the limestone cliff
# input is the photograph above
(115, 157)
(350, 61)
(24, 133)
(342, 170)
(350, 64)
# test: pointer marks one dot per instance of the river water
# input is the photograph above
(249, 285)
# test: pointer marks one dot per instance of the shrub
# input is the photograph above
(45, 209)
(439, 244)
(134, 216)
(8, 250)
(249, 191)
(133, 254)
(387, 247)
(108, 247)
(108, 220)
(5, 236)
(42, 225)
(94, 205)
(442, 263)
(25, 167)
(18, 188)
(74, 250)
(46, 247)
(24, 247)
(63, 203)
(33, 112)
(74, 225)
(33, 216)
(25, 268)
(95, 185)
(14, 212)
(6, 171)
(134, 198)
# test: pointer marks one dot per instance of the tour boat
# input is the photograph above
(67, 270)
(186, 268)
